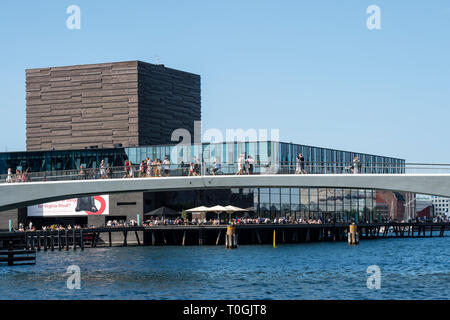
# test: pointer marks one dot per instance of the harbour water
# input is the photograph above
(417, 268)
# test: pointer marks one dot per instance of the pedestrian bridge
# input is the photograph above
(16, 195)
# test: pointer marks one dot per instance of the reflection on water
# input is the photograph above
(411, 269)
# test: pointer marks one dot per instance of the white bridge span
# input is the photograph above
(16, 195)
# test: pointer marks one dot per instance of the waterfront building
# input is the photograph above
(81, 115)
(441, 206)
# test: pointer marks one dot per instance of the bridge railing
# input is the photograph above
(204, 169)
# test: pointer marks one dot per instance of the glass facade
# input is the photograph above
(305, 203)
(268, 152)
(315, 203)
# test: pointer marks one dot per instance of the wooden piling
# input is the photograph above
(184, 238)
(45, 240)
(231, 238)
(59, 240)
(307, 238)
(200, 237)
(137, 238)
(81, 240)
(52, 241)
(26, 241)
(258, 236)
(125, 234)
(32, 242)
(74, 240)
(218, 237)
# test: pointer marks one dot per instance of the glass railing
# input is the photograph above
(206, 169)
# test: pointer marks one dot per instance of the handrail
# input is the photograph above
(157, 170)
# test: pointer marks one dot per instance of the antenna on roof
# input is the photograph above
(156, 60)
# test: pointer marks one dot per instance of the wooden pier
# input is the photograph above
(13, 251)
(187, 235)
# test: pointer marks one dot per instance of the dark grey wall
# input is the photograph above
(168, 99)
(5, 216)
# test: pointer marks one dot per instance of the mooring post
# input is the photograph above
(231, 242)
(353, 237)
(274, 239)
(109, 234)
(154, 239)
(59, 240)
(66, 240)
(182, 243)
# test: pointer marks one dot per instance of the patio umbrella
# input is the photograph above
(231, 209)
(218, 209)
(198, 209)
(163, 212)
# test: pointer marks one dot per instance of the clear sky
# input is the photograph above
(309, 68)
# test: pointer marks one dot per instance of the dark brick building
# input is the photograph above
(131, 103)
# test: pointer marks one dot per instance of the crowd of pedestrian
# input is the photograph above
(245, 165)
(162, 168)
(19, 176)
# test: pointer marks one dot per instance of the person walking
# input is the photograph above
(240, 166)
(9, 178)
(250, 162)
(127, 169)
(302, 163)
(216, 167)
(192, 169)
(141, 169)
(297, 164)
(356, 165)
(131, 170)
(102, 169)
(149, 167)
(166, 166)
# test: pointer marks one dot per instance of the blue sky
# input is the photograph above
(310, 68)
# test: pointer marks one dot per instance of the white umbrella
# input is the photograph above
(233, 209)
(218, 208)
(198, 209)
